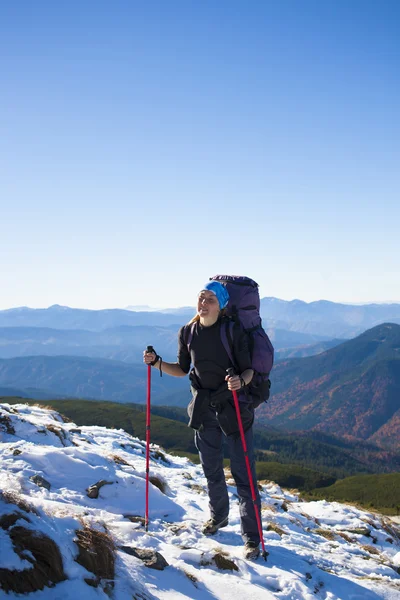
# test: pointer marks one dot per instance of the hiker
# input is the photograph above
(211, 410)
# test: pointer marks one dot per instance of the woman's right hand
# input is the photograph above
(148, 357)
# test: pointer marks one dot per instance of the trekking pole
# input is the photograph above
(231, 373)
(146, 518)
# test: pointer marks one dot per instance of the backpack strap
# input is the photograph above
(189, 335)
(227, 333)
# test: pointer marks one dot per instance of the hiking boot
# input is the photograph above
(251, 550)
(211, 526)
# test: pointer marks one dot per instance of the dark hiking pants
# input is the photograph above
(209, 442)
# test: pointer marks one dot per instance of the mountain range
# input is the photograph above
(322, 318)
(126, 343)
(352, 390)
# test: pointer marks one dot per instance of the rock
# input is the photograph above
(175, 529)
(151, 558)
(93, 490)
(159, 483)
(8, 520)
(224, 563)
(40, 481)
(45, 570)
(158, 455)
(121, 461)
(196, 487)
(96, 552)
(17, 452)
(136, 519)
(59, 432)
(6, 424)
(360, 531)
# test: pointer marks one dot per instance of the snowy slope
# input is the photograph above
(317, 549)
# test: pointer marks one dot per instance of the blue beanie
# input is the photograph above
(220, 291)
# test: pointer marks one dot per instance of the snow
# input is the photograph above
(308, 557)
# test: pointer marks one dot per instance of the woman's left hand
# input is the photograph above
(234, 383)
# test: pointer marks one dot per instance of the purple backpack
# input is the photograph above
(243, 311)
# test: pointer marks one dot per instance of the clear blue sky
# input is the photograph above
(145, 146)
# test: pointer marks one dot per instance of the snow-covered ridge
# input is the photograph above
(51, 507)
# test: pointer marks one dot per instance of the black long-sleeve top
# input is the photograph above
(208, 356)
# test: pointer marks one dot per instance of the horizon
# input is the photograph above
(141, 308)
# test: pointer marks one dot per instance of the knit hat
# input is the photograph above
(220, 291)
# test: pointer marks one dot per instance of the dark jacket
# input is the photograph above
(209, 388)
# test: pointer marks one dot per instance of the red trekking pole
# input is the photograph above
(231, 373)
(146, 518)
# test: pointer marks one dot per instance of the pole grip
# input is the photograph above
(150, 349)
(231, 372)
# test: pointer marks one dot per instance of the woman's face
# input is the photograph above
(207, 304)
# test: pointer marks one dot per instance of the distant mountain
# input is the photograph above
(34, 393)
(126, 343)
(284, 338)
(293, 344)
(328, 319)
(141, 308)
(306, 350)
(324, 319)
(82, 377)
(62, 317)
(352, 390)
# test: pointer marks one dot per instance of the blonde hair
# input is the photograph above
(197, 316)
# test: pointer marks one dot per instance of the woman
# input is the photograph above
(212, 412)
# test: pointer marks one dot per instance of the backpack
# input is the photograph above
(243, 313)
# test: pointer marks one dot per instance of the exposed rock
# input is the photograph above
(6, 425)
(158, 455)
(370, 549)
(14, 498)
(360, 531)
(47, 567)
(196, 487)
(40, 481)
(151, 558)
(96, 553)
(326, 533)
(176, 528)
(59, 432)
(7, 521)
(192, 577)
(159, 483)
(93, 490)
(136, 519)
(224, 563)
(276, 528)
